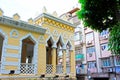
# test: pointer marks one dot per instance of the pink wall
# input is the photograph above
(93, 70)
(91, 58)
(103, 40)
(105, 54)
(91, 44)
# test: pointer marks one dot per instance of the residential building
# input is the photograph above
(98, 62)
(43, 46)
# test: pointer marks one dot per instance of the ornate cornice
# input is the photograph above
(46, 18)
(21, 24)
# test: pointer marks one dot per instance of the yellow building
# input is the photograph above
(44, 45)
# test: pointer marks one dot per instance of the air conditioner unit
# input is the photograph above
(110, 70)
(105, 37)
(89, 42)
(90, 54)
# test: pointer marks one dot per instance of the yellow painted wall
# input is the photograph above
(60, 28)
(42, 59)
(11, 59)
(62, 31)
(11, 67)
(14, 42)
(13, 51)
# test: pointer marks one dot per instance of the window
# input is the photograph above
(78, 33)
(78, 50)
(89, 37)
(78, 28)
(104, 32)
(68, 55)
(117, 60)
(77, 36)
(106, 62)
(104, 47)
(90, 49)
(92, 64)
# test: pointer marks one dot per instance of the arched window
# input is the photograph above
(1, 46)
(27, 56)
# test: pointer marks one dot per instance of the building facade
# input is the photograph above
(98, 63)
(43, 46)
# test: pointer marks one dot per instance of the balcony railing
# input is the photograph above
(27, 68)
(108, 69)
(59, 69)
(49, 68)
(68, 68)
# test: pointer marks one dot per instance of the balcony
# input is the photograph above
(78, 43)
(81, 71)
(108, 69)
(104, 38)
(79, 57)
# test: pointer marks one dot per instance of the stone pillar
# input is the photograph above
(54, 58)
(72, 62)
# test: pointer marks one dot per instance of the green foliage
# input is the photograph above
(101, 15)
(98, 14)
(114, 39)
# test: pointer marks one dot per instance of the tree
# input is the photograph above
(100, 15)
(114, 39)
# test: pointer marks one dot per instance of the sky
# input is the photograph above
(32, 8)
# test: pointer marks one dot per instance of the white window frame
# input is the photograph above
(107, 60)
(117, 62)
(90, 49)
(105, 46)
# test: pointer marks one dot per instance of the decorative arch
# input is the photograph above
(55, 33)
(59, 53)
(29, 36)
(48, 31)
(52, 41)
(60, 38)
(69, 44)
(35, 52)
(68, 57)
(2, 33)
(14, 33)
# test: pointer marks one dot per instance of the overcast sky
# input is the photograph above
(31, 8)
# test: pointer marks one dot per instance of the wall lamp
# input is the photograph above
(66, 76)
(12, 71)
(42, 76)
(56, 76)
